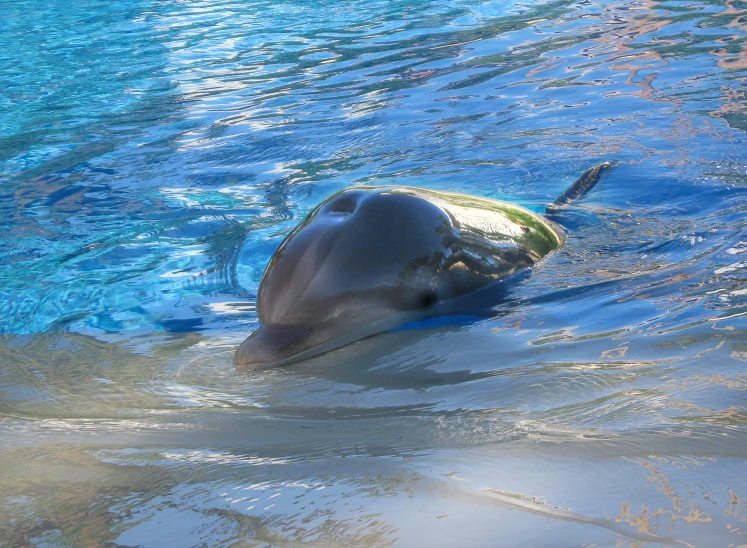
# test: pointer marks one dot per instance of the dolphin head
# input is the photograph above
(371, 258)
(366, 260)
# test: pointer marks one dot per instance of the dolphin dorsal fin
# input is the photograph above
(579, 188)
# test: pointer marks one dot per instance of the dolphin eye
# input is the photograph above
(428, 299)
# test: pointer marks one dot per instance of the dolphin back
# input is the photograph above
(501, 224)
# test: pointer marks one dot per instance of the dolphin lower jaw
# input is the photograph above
(269, 344)
(277, 344)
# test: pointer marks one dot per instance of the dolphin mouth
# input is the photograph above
(276, 344)
(272, 345)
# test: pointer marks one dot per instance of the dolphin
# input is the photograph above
(369, 259)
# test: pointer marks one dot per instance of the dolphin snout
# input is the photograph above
(271, 345)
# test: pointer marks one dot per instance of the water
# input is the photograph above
(154, 154)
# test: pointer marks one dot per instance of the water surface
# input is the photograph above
(155, 154)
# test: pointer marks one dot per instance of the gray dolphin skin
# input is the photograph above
(369, 259)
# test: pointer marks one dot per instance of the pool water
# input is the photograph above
(153, 155)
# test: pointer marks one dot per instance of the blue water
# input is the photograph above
(153, 155)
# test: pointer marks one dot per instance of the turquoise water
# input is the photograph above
(154, 154)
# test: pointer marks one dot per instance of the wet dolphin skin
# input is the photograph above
(369, 259)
